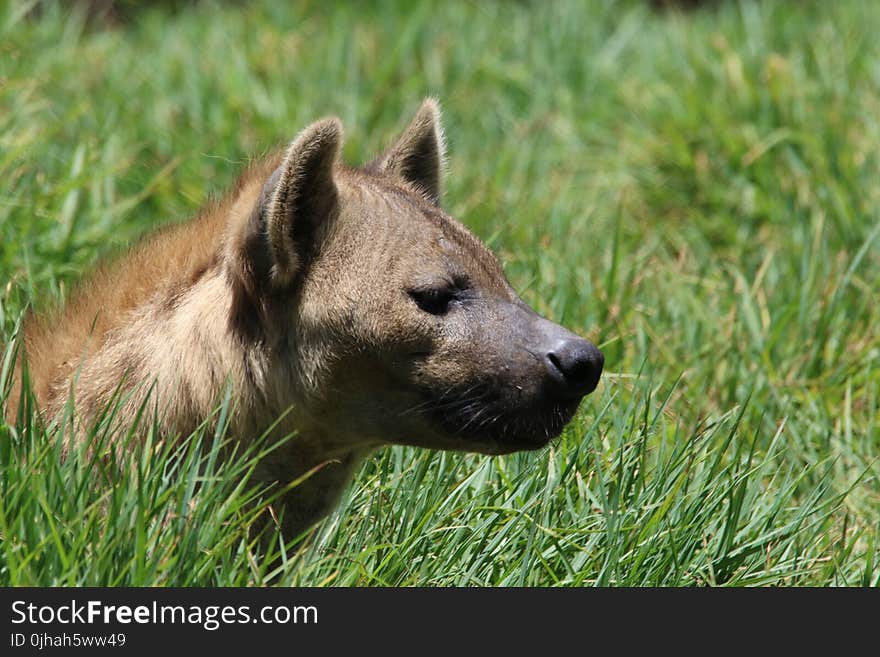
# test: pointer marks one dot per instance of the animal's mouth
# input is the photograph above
(483, 421)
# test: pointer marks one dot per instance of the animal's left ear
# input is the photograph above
(419, 154)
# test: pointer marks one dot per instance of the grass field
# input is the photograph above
(698, 193)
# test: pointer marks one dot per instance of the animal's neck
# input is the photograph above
(185, 355)
(193, 357)
(174, 349)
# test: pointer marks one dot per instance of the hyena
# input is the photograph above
(342, 300)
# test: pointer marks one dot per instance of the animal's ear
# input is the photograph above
(298, 197)
(267, 249)
(419, 154)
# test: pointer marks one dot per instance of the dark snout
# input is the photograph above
(573, 365)
(534, 383)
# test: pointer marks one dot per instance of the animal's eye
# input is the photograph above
(434, 300)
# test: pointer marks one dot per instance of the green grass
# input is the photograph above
(696, 192)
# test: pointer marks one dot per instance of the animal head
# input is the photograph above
(383, 319)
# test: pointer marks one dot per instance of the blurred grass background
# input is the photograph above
(696, 191)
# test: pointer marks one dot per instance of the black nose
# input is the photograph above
(575, 366)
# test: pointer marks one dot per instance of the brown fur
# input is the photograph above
(160, 269)
(343, 300)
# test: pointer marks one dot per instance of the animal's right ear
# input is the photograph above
(297, 199)
(419, 154)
